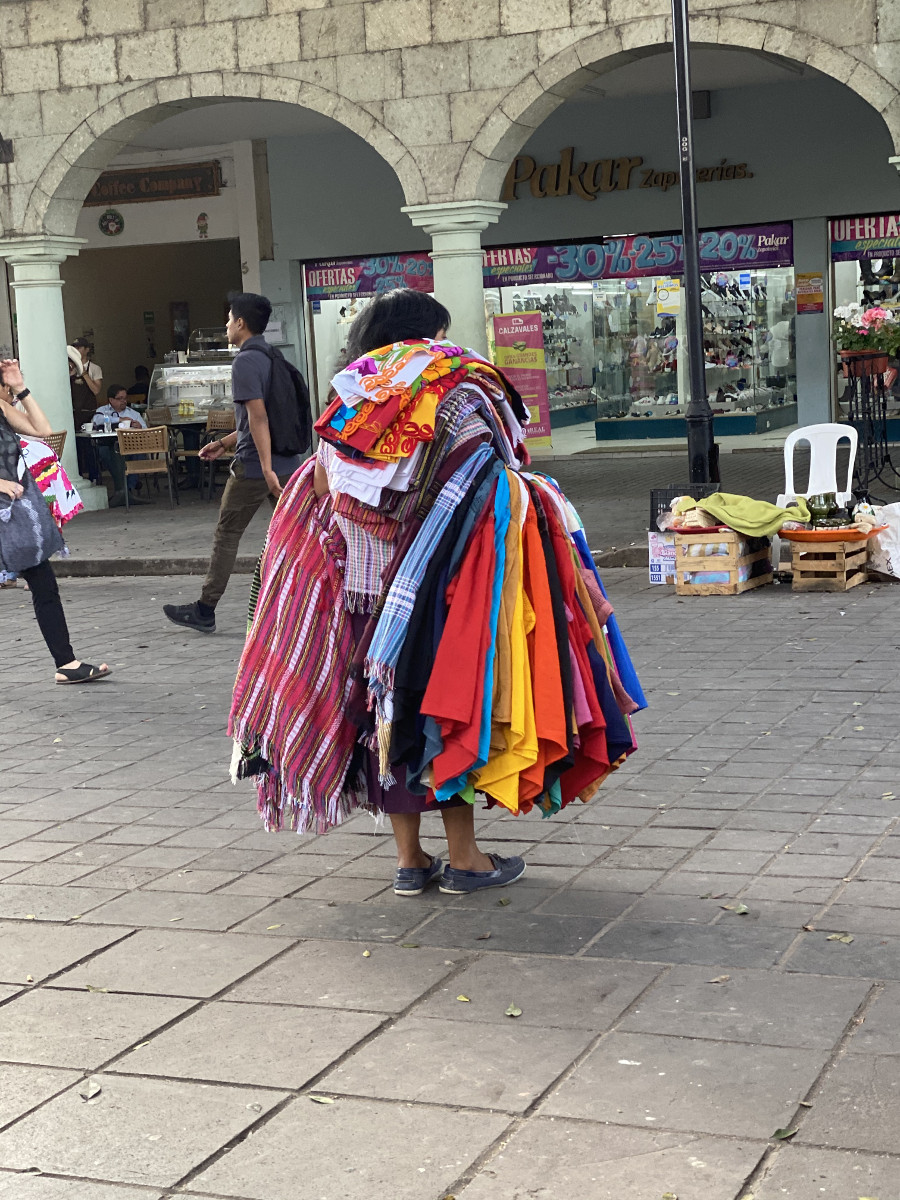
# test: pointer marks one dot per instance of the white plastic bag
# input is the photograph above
(884, 547)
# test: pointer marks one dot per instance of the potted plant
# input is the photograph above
(866, 338)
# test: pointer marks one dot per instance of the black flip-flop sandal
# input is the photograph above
(82, 674)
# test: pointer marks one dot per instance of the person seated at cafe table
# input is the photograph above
(120, 415)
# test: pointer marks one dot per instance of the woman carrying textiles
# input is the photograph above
(427, 627)
(29, 532)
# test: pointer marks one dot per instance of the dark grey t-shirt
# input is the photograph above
(250, 374)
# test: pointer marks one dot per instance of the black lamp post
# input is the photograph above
(703, 454)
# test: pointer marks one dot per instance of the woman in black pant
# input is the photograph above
(28, 533)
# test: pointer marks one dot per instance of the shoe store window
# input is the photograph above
(614, 331)
(615, 351)
(567, 317)
(748, 343)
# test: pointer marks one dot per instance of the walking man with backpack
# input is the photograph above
(274, 431)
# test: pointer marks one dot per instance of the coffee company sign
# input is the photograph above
(572, 177)
(179, 181)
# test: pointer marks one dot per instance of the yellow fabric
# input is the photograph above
(755, 518)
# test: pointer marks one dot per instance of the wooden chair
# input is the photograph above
(158, 416)
(153, 443)
(56, 442)
(218, 421)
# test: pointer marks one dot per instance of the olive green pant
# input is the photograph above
(240, 503)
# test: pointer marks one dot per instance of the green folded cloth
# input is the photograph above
(755, 518)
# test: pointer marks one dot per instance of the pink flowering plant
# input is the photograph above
(858, 328)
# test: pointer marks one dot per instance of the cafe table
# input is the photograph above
(88, 449)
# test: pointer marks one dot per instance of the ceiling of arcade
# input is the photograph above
(447, 91)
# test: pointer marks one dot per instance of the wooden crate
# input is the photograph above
(731, 561)
(828, 566)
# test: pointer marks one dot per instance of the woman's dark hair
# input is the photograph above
(396, 316)
(141, 372)
(253, 309)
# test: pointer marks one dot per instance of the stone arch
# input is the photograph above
(528, 104)
(58, 194)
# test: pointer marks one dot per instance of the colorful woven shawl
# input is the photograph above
(386, 402)
(287, 715)
(55, 485)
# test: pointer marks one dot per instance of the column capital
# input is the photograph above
(455, 216)
(43, 248)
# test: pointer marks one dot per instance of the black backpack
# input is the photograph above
(287, 405)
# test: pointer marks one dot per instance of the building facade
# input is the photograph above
(430, 127)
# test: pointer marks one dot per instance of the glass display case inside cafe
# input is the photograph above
(191, 382)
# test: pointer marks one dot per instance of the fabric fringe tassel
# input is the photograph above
(292, 804)
(385, 778)
(360, 602)
(380, 677)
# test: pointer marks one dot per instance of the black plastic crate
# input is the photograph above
(661, 498)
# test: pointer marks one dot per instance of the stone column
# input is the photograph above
(41, 331)
(815, 357)
(455, 229)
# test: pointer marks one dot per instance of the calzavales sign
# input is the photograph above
(570, 177)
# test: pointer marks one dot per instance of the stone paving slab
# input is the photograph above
(30, 1187)
(597, 1161)
(797, 1173)
(857, 1105)
(170, 963)
(129, 862)
(406, 1153)
(337, 975)
(40, 950)
(472, 1071)
(139, 1131)
(22, 1087)
(690, 1084)
(550, 993)
(255, 1044)
(84, 1029)
(749, 1006)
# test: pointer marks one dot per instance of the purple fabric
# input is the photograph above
(397, 798)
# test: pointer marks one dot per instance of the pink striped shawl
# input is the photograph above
(293, 679)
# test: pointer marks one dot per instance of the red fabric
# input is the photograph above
(456, 688)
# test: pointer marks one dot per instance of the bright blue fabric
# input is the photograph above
(624, 665)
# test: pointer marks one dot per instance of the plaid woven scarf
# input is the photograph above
(288, 710)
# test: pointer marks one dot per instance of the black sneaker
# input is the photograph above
(188, 616)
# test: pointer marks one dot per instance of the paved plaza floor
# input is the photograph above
(191, 1007)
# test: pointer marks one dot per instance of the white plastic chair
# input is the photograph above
(823, 444)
